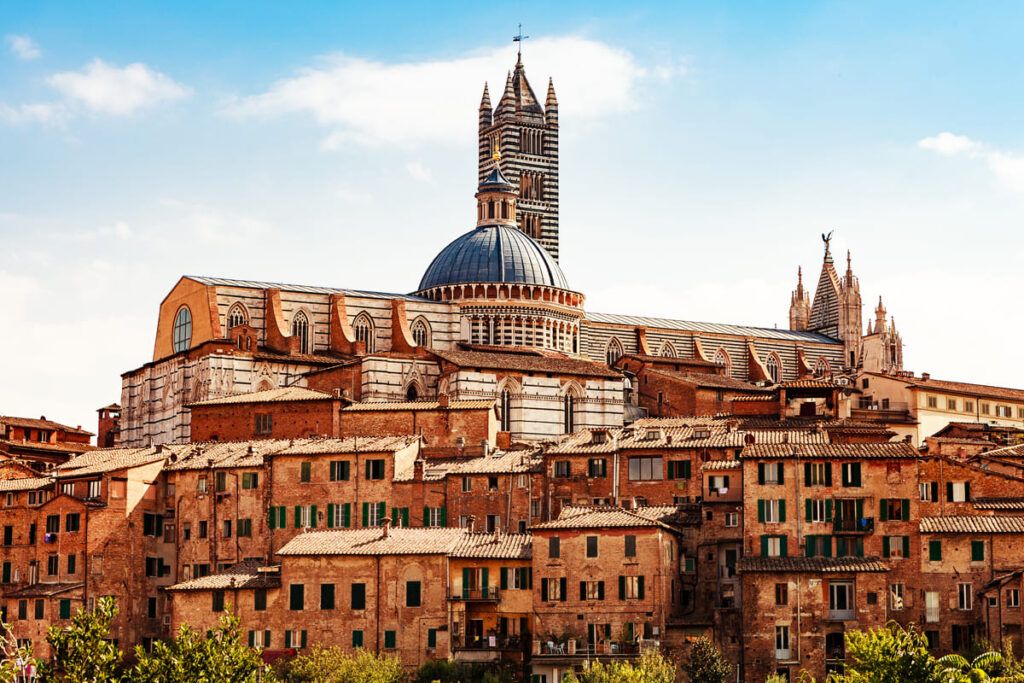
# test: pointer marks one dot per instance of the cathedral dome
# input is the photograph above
(494, 253)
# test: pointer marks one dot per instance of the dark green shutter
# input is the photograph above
(671, 469)
(885, 546)
(760, 473)
(764, 545)
(298, 516)
(366, 514)
(906, 546)
(466, 588)
(583, 591)
(826, 546)
(687, 469)
(782, 546)
(807, 474)
(543, 590)
(622, 588)
(312, 516)
(949, 491)
(782, 473)
(382, 510)
(273, 521)
(760, 511)
(444, 516)
(828, 510)
(640, 587)
(977, 551)
(782, 510)
(330, 515)
(967, 491)
(828, 474)
(252, 638)
(859, 509)
(266, 639)
(485, 582)
(426, 516)
(334, 471)
(905, 512)
(347, 515)
(935, 551)
(883, 510)
(503, 573)
(809, 504)
(563, 587)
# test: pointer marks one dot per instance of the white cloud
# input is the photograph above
(419, 172)
(24, 48)
(948, 144)
(215, 226)
(37, 112)
(370, 102)
(118, 231)
(109, 89)
(1007, 167)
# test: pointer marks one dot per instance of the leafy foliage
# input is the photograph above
(651, 667)
(218, 655)
(83, 652)
(706, 663)
(10, 654)
(888, 654)
(334, 665)
(451, 672)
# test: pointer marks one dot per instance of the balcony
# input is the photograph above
(582, 650)
(482, 594)
(863, 525)
(840, 615)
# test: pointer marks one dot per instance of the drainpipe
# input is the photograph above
(376, 615)
(615, 468)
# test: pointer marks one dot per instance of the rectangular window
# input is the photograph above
(633, 587)
(968, 406)
(894, 509)
(433, 517)
(64, 609)
(203, 526)
(218, 601)
(732, 519)
(896, 593)
(553, 590)
(985, 409)
(40, 609)
(977, 551)
(815, 473)
(771, 511)
(72, 564)
(773, 546)
(431, 638)
(296, 596)
(817, 510)
(389, 640)
(357, 638)
(52, 524)
(630, 546)
(958, 491)
(227, 528)
(719, 484)
(964, 596)
(374, 469)
(782, 642)
(646, 469)
(554, 547)
(358, 596)
(597, 468)
(771, 473)
(305, 472)
(259, 600)
(221, 482)
(591, 590)
(896, 546)
(326, 596)
(950, 404)
(244, 528)
(563, 469)
(679, 469)
(72, 522)
(94, 489)
(264, 423)
(851, 473)
(1013, 597)
(935, 550)
(250, 480)
(591, 546)
(782, 594)
(840, 600)
(341, 470)
(52, 565)
(413, 596)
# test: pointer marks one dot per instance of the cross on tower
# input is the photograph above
(519, 38)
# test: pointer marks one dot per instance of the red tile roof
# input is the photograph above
(531, 361)
(900, 449)
(974, 524)
(822, 565)
(598, 517)
(41, 423)
(280, 395)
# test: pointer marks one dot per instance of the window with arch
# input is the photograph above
(614, 351)
(722, 358)
(363, 327)
(412, 393)
(181, 335)
(821, 367)
(237, 316)
(774, 366)
(667, 350)
(569, 413)
(421, 333)
(300, 329)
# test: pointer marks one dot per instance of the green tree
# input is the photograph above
(12, 656)
(218, 655)
(706, 663)
(334, 665)
(888, 654)
(451, 672)
(83, 652)
(956, 668)
(651, 667)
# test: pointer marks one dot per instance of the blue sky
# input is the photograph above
(705, 147)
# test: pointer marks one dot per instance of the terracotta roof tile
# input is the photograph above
(223, 454)
(597, 517)
(398, 541)
(110, 459)
(899, 449)
(710, 380)
(24, 484)
(942, 385)
(998, 503)
(499, 462)
(975, 524)
(719, 465)
(280, 395)
(41, 423)
(43, 590)
(352, 444)
(812, 564)
(494, 546)
(248, 574)
(64, 447)
(527, 361)
(1006, 452)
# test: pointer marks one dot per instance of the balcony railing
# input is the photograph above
(840, 615)
(727, 571)
(482, 594)
(854, 525)
(486, 643)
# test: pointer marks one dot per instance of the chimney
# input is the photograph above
(385, 528)
(336, 392)
(249, 450)
(159, 448)
(443, 400)
(925, 376)
(417, 470)
(485, 447)
(472, 522)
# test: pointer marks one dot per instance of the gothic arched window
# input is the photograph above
(181, 336)
(614, 352)
(569, 413)
(667, 350)
(300, 329)
(412, 393)
(421, 333)
(774, 365)
(237, 316)
(821, 367)
(363, 327)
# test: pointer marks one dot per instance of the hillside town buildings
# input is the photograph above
(486, 471)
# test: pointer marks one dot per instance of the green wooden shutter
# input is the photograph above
(782, 473)
(504, 578)
(302, 640)
(760, 511)
(977, 551)
(282, 517)
(935, 551)
(808, 504)
(807, 474)
(466, 588)
(312, 516)
(395, 514)
(330, 515)
(583, 591)
(444, 516)
(859, 509)
(967, 490)
(764, 545)
(782, 510)
(671, 469)
(366, 514)
(252, 638)
(562, 588)
(885, 546)
(906, 546)
(346, 513)
(640, 587)
(828, 474)
(405, 517)
(544, 590)
(273, 521)
(782, 546)
(426, 516)
(760, 473)
(485, 583)
(298, 516)
(334, 471)
(622, 588)
(828, 510)
(826, 545)
(883, 510)
(382, 510)
(687, 469)
(906, 509)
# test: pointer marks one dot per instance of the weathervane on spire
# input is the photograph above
(519, 38)
(827, 239)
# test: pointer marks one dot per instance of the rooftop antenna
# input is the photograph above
(519, 38)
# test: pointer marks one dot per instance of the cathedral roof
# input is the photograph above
(494, 253)
(713, 328)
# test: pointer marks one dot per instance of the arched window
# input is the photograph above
(821, 367)
(182, 333)
(237, 316)
(505, 411)
(614, 352)
(421, 333)
(774, 365)
(412, 393)
(363, 327)
(667, 350)
(722, 358)
(569, 413)
(300, 329)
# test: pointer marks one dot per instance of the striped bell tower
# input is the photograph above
(525, 134)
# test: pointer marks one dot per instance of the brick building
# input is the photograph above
(41, 443)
